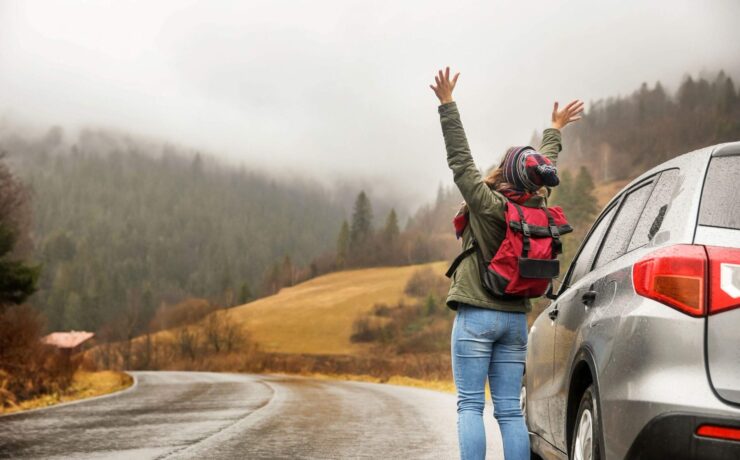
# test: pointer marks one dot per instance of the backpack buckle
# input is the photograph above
(525, 229)
(554, 231)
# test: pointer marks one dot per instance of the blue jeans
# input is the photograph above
(493, 344)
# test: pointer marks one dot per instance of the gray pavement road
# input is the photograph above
(183, 415)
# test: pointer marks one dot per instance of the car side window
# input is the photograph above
(618, 237)
(585, 258)
(652, 216)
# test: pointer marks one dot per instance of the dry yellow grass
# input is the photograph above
(316, 317)
(85, 385)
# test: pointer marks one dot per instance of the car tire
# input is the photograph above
(585, 444)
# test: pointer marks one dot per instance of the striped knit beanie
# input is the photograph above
(528, 170)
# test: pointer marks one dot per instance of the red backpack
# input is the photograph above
(526, 262)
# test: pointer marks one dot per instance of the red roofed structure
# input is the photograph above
(67, 340)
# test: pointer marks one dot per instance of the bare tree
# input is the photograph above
(187, 341)
(235, 337)
(214, 331)
(130, 323)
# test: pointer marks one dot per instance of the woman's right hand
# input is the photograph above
(444, 87)
(572, 112)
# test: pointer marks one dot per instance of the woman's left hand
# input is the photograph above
(571, 113)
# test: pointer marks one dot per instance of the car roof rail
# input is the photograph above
(732, 148)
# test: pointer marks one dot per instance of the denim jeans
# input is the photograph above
(493, 344)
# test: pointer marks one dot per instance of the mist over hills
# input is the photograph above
(122, 223)
(621, 137)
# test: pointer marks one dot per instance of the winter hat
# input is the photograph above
(528, 170)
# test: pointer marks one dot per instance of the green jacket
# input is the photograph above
(486, 207)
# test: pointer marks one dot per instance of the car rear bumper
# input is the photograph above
(657, 369)
(673, 436)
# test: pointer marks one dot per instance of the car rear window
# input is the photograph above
(720, 206)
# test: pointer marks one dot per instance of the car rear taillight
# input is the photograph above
(724, 278)
(678, 277)
(719, 432)
(674, 276)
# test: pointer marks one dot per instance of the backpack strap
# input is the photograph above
(474, 247)
(460, 257)
(525, 230)
(538, 231)
(557, 245)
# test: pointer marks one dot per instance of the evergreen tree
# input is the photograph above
(18, 280)
(575, 196)
(245, 294)
(583, 202)
(562, 195)
(389, 250)
(343, 244)
(391, 230)
(362, 219)
(361, 229)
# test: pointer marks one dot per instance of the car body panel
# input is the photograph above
(723, 338)
(648, 358)
(723, 354)
(538, 375)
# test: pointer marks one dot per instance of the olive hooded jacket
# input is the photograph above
(486, 207)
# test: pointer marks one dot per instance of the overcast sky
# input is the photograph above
(332, 89)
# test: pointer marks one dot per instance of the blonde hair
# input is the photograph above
(495, 180)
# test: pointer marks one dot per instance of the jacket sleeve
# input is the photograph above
(551, 144)
(478, 196)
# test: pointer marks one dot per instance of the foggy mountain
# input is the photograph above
(125, 222)
(122, 223)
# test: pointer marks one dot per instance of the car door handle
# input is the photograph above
(553, 314)
(588, 298)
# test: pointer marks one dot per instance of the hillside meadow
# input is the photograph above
(316, 317)
(373, 323)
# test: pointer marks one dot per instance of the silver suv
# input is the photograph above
(638, 354)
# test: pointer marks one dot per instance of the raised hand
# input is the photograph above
(444, 87)
(571, 113)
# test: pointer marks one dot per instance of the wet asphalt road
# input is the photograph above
(179, 415)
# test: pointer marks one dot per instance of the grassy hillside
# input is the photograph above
(316, 317)
(376, 323)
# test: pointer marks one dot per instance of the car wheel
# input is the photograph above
(587, 430)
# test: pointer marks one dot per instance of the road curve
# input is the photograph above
(183, 415)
